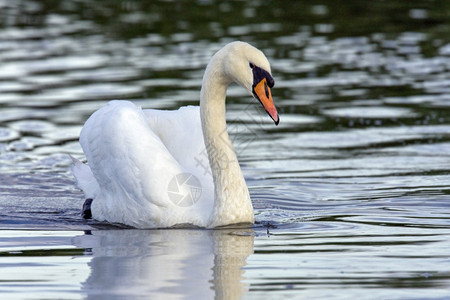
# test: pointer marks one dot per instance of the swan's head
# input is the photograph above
(249, 67)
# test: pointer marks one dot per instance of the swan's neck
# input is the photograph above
(232, 202)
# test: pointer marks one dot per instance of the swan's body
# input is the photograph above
(138, 159)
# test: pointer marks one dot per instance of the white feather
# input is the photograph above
(85, 178)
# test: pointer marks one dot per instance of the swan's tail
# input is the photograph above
(85, 179)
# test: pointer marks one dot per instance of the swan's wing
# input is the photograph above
(133, 168)
(123, 154)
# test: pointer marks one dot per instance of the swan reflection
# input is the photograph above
(168, 264)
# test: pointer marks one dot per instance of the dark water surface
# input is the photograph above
(351, 191)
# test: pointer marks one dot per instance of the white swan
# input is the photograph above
(156, 169)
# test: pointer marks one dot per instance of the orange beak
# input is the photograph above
(262, 92)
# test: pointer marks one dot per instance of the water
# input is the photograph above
(350, 191)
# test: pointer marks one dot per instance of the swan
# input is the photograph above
(152, 168)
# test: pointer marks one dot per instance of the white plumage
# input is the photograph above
(152, 168)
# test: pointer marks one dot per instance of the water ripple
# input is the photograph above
(351, 189)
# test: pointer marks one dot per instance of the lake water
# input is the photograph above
(351, 191)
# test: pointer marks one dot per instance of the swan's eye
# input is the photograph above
(251, 65)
